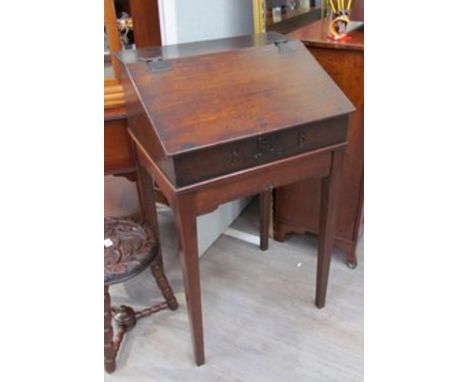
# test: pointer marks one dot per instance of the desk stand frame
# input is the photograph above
(190, 201)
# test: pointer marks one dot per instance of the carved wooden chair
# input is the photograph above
(129, 247)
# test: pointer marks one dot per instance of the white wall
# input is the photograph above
(196, 20)
(185, 21)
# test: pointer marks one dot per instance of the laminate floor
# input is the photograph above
(259, 318)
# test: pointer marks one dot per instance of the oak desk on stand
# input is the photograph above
(216, 121)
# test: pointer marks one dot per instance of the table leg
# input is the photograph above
(147, 198)
(186, 222)
(349, 249)
(328, 213)
(109, 349)
(351, 260)
(265, 207)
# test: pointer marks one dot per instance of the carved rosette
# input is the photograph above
(128, 248)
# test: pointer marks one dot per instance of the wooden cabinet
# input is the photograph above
(296, 206)
(118, 156)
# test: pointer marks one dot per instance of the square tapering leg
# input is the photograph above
(265, 209)
(328, 213)
(186, 222)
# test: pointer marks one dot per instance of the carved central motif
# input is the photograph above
(301, 138)
(235, 157)
(265, 146)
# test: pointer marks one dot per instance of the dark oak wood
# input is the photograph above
(186, 222)
(265, 208)
(118, 157)
(297, 206)
(245, 82)
(226, 120)
(328, 209)
(271, 122)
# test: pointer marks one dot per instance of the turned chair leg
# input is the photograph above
(158, 272)
(109, 349)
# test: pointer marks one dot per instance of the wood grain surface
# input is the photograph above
(235, 95)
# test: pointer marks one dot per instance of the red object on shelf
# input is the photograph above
(341, 38)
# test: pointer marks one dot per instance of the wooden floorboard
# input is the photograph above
(260, 320)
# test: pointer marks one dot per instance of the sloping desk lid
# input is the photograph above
(205, 100)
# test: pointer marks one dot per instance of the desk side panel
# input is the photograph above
(118, 156)
(143, 131)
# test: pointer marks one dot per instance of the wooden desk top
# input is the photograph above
(316, 35)
(200, 47)
(214, 108)
(216, 98)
